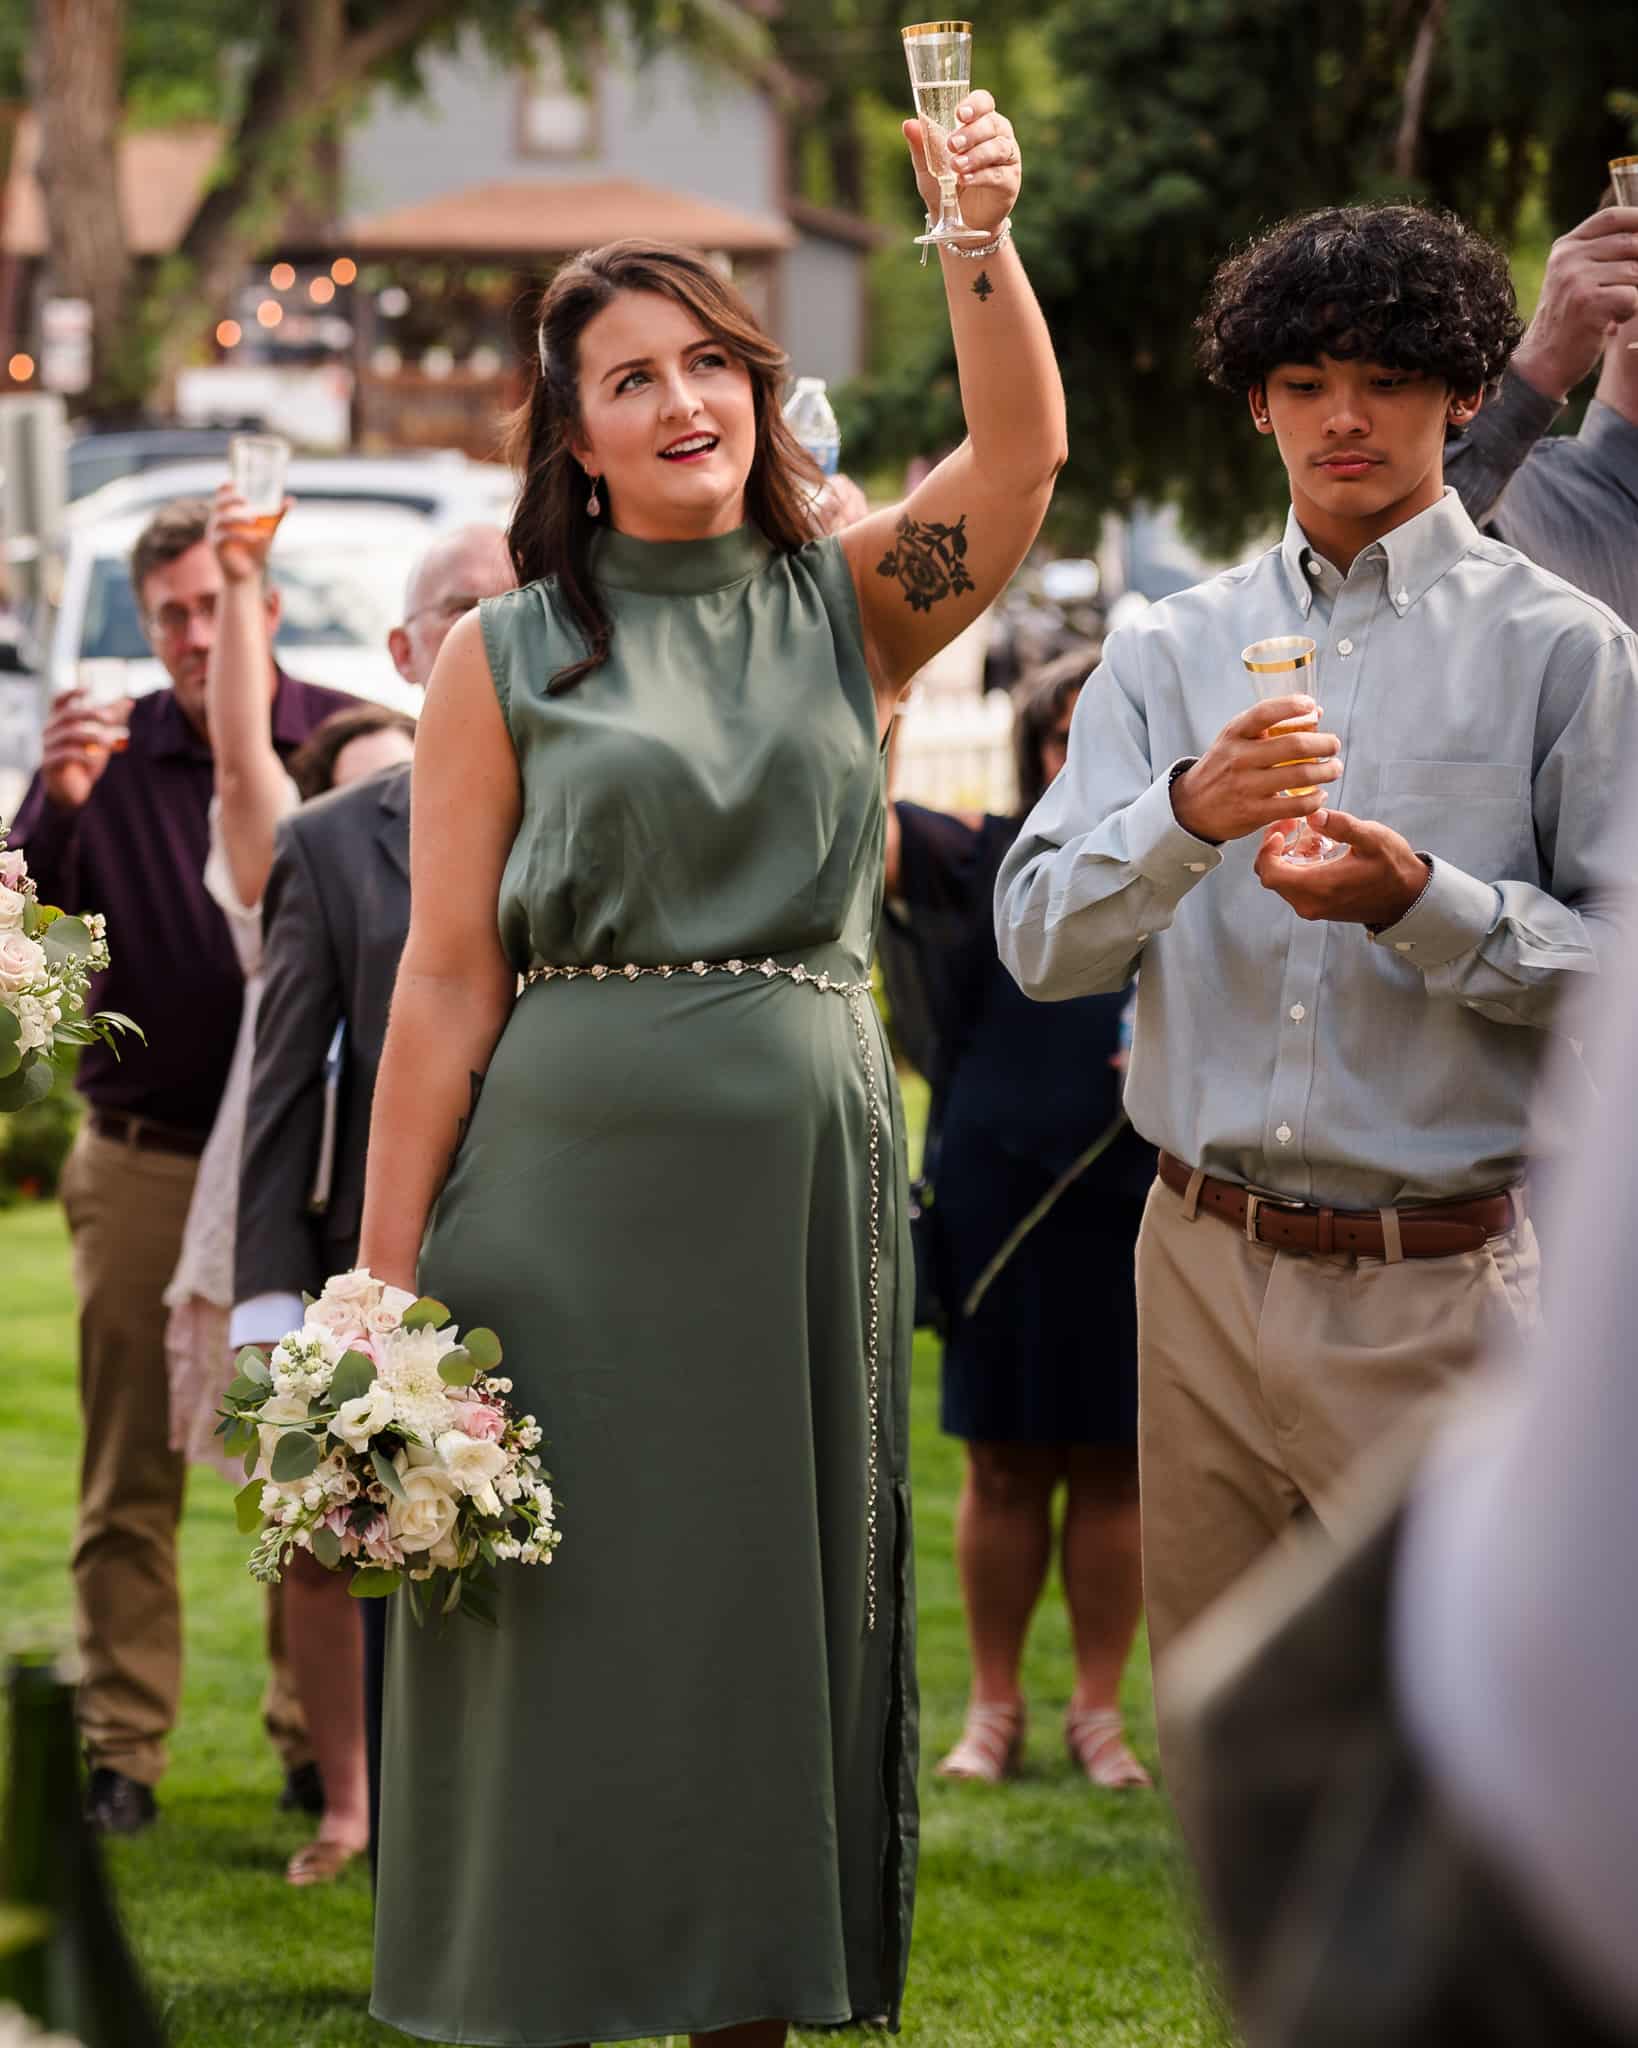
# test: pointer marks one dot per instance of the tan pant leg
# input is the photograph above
(1215, 1492)
(282, 1714)
(126, 1209)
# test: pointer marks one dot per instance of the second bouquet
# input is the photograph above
(382, 1441)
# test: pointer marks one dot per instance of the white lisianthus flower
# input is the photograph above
(470, 1463)
(357, 1421)
(426, 1515)
(22, 962)
(487, 1501)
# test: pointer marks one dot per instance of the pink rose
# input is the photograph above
(13, 870)
(476, 1419)
(22, 962)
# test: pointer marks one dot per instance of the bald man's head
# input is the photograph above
(450, 577)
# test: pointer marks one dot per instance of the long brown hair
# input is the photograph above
(551, 531)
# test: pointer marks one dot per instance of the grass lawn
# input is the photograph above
(1049, 1914)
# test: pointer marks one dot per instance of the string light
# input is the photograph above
(281, 277)
(321, 291)
(344, 270)
(20, 368)
(270, 312)
(229, 333)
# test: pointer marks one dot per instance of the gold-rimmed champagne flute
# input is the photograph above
(1281, 667)
(940, 57)
(1624, 177)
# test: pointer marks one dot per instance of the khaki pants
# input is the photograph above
(1264, 1375)
(126, 1209)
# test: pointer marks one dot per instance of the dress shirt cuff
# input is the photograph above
(1157, 845)
(264, 1319)
(1451, 916)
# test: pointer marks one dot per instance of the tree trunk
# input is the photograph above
(1418, 77)
(76, 62)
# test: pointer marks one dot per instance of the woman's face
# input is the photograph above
(668, 421)
(362, 756)
(1055, 740)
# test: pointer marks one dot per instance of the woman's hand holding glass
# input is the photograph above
(989, 172)
(240, 539)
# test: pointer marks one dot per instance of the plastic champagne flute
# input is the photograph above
(258, 464)
(1624, 177)
(1279, 668)
(940, 57)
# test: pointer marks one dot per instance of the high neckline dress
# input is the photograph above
(674, 1790)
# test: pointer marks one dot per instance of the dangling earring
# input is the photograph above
(594, 504)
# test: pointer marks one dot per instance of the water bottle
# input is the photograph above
(808, 414)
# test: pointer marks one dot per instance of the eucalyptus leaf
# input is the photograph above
(295, 1456)
(247, 1508)
(352, 1379)
(452, 1599)
(67, 938)
(242, 1436)
(427, 1313)
(254, 1366)
(387, 1473)
(456, 1368)
(327, 1547)
(29, 1083)
(485, 1348)
(253, 1458)
(374, 1583)
(246, 1392)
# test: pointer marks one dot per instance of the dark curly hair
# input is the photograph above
(1404, 286)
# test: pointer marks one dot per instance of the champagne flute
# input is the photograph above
(101, 680)
(1624, 177)
(258, 464)
(940, 56)
(1278, 668)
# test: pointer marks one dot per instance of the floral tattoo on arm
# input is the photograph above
(929, 561)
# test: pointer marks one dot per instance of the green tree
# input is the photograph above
(283, 76)
(1185, 126)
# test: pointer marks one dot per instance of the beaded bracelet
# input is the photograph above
(1002, 236)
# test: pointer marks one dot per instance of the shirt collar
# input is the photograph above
(166, 731)
(1414, 556)
(1615, 439)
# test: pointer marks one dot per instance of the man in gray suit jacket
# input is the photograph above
(335, 916)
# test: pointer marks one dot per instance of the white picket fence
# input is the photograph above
(954, 753)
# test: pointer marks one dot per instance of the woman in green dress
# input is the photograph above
(673, 1791)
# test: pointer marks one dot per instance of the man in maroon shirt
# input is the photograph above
(126, 832)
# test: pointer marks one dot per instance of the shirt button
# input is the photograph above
(1345, 647)
(1195, 867)
(1313, 568)
(1401, 598)
(1296, 1013)
(1402, 945)
(1283, 1133)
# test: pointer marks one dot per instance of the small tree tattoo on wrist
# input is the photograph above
(982, 288)
(928, 560)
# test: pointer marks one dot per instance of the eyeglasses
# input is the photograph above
(446, 608)
(173, 618)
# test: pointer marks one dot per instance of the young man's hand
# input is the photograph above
(1590, 288)
(1236, 786)
(1374, 883)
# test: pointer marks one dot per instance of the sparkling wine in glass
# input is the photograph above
(258, 464)
(1624, 177)
(940, 56)
(1279, 668)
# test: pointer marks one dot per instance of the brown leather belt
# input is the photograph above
(137, 1131)
(1429, 1230)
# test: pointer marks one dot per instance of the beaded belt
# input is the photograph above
(857, 996)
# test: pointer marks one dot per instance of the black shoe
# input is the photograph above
(303, 1791)
(118, 1805)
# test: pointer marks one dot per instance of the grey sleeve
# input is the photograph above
(1482, 462)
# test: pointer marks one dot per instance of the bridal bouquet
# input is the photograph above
(380, 1440)
(46, 964)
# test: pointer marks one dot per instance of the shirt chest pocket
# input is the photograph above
(1474, 814)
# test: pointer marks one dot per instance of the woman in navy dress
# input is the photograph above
(1040, 1377)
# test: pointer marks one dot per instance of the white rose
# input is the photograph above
(426, 1516)
(398, 1299)
(381, 1321)
(338, 1320)
(358, 1289)
(282, 1408)
(469, 1462)
(357, 1421)
(12, 905)
(22, 963)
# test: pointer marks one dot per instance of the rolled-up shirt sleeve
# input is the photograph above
(1508, 949)
(1101, 863)
(1481, 462)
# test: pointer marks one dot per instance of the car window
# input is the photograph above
(340, 596)
(111, 627)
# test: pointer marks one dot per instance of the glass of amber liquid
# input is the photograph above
(258, 464)
(100, 680)
(1281, 667)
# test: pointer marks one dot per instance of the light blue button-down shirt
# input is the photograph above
(1487, 711)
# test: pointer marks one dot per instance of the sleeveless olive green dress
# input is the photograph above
(674, 1790)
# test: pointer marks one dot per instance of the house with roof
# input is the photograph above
(452, 210)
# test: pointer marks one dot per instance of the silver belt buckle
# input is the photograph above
(1255, 1201)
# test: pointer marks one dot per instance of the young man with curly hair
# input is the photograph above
(1336, 1057)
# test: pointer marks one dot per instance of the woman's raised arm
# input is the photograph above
(455, 986)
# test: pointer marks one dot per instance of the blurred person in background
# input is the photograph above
(118, 819)
(1569, 502)
(335, 912)
(1040, 1377)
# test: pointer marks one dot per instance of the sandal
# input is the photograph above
(320, 1861)
(992, 1741)
(1097, 1742)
